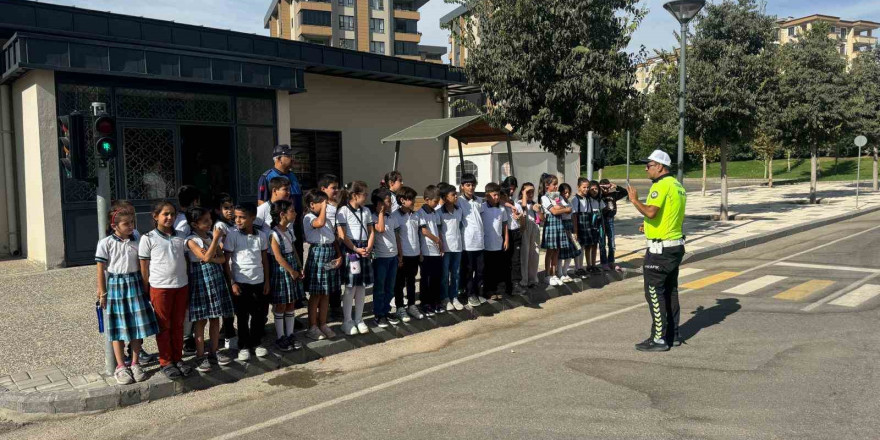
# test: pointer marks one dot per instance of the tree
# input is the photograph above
(865, 100)
(660, 128)
(813, 93)
(766, 147)
(706, 153)
(553, 70)
(727, 75)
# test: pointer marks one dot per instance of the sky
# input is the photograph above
(655, 32)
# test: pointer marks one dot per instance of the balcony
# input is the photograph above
(412, 38)
(408, 15)
(310, 30)
(312, 6)
(862, 40)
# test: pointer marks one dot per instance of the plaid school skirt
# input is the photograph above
(286, 290)
(365, 278)
(588, 232)
(553, 235)
(209, 295)
(318, 279)
(130, 316)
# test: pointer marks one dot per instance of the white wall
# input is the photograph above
(365, 112)
(38, 176)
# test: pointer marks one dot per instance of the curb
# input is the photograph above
(159, 387)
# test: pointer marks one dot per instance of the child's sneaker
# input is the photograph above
(325, 329)
(145, 358)
(414, 311)
(482, 299)
(261, 351)
(244, 355)
(381, 322)
(220, 358)
(474, 301)
(392, 319)
(349, 329)
(203, 364)
(554, 281)
(184, 369)
(428, 310)
(282, 344)
(123, 375)
(189, 347)
(457, 305)
(294, 343)
(402, 315)
(363, 328)
(171, 372)
(315, 334)
(138, 373)
(439, 308)
(447, 305)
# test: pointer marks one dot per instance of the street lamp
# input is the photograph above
(683, 11)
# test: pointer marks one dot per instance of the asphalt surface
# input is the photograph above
(754, 365)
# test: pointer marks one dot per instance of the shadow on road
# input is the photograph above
(704, 318)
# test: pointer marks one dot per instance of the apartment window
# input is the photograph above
(377, 4)
(405, 48)
(347, 3)
(377, 47)
(315, 153)
(406, 26)
(843, 32)
(792, 31)
(346, 43)
(346, 22)
(404, 6)
(377, 25)
(314, 18)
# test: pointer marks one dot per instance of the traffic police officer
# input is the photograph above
(664, 215)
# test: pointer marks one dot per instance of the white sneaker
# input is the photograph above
(244, 355)
(483, 300)
(448, 305)
(414, 311)
(402, 315)
(232, 343)
(261, 351)
(363, 328)
(474, 302)
(315, 334)
(566, 279)
(554, 281)
(457, 304)
(349, 329)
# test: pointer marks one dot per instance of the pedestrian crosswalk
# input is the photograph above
(785, 288)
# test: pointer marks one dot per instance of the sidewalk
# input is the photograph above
(52, 352)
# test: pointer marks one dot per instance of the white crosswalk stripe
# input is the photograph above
(753, 285)
(688, 271)
(858, 296)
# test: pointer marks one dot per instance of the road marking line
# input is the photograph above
(840, 292)
(425, 372)
(753, 285)
(857, 297)
(413, 376)
(828, 267)
(710, 280)
(804, 290)
(688, 271)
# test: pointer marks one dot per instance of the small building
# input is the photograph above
(194, 105)
(489, 162)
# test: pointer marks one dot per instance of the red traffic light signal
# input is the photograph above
(105, 135)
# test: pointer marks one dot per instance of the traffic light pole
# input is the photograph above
(103, 204)
(590, 145)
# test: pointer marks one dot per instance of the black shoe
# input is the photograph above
(189, 347)
(171, 372)
(652, 345)
(677, 341)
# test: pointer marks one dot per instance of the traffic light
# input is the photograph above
(105, 136)
(599, 153)
(72, 140)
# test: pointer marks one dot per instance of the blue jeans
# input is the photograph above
(606, 252)
(449, 279)
(385, 273)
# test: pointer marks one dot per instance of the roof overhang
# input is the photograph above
(466, 129)
(269, 13)
(455, 13)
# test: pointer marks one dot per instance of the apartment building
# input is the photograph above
(385, 27)
(455, 21)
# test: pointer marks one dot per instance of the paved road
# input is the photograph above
(756, 364)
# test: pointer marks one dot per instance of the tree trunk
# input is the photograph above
(814, 168)
(770, 167)
(875, 170)
(788, 159)
(765, 167)
(704, 174)
(724, 214)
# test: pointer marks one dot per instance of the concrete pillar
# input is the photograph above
(282, 110)
(39, 177)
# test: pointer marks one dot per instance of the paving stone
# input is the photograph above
(33, 383)
(160, 390)
(38, 403)
(69, 402)
(57, 376)
(20, 377)
(93, 377)
(92, 386)
(76, 381)
(4, 380)
(55, 386)
(44, 371)
(132, 394)
(12, 401)
(100, 399)
(28, 390)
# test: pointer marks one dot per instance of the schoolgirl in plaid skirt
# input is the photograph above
(286, 274)
(210, 298)
(354, 225)
(322, 265)
(554, 238)
(130, 317)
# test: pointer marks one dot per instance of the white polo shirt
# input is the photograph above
(385, 243)
(201, 243)
(473, 222)
(181, 226)
(222, 227)
(408, 225)
(264, 215)
(547, 203)
(322, 235)
(119, 255)
(247, 255)
(167, 255)
(452, 226)
(431, 220)
(513, 225)
(494, 218)
(356, 224)
(285, 239)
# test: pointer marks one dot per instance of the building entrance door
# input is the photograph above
(206, 159)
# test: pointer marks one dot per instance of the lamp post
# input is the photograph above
(683, 11)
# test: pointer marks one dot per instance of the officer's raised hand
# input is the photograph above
(633, 193)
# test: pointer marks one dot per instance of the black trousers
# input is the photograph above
(406, 277)
(429, 285)
(252, 313)
(661, 292)
(471, 272)
(497, 265)
(514, 257)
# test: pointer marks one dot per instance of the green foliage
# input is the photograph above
(553, 69)
(660, 130)
(865, 96)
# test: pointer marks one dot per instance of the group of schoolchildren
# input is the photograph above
(221, 267)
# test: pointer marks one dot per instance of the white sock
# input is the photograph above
(563, 269)
(279, 325)
(288, 323)
(359, 296)
(347, 299)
